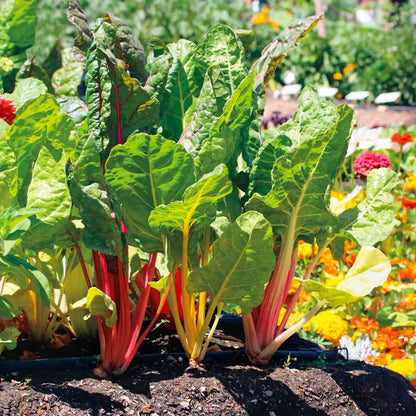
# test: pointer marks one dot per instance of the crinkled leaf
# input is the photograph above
(225, 135)
(48, 192)
(145, 172)
(100, 304)
(297, 204)
(223, 49)
(198, 207)
(65, 80)
(118, 105)
(89, 192)
(8, 187)
(129, 48)
(183, 50)
(203, 112)
(376, 219)
(25, 90)
(78, 18)
(174, 101)
(22, 24)
(39, 122)
(242, 261)
(315, 115)
(277, 50)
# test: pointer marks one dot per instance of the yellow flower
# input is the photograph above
(405, 366)
(339, 202)
(304, 250)
(403, 217)
(337, 76)
(410, 183)
(328, 325)
(259, 19)
(265, 9)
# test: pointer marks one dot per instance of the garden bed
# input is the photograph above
(368, 116)
(234, 387)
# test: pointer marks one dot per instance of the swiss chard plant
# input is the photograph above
(290, 182)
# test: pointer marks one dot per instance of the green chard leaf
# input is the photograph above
(26, 89)
(277, 50)
(198, 208)
(39, 123)
(175, 101)
(100, 304)
(65, 80)
(297, 204)
(48, 192)
(223, 49)
(225, 135)
(242, 261)
(377, 217)
(89, 192)
(369, 271)
(145, 172)
(118, 105)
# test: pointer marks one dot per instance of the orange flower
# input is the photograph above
(401, 138)
(380, 360)
(330, 264)
(364, 324)
(337, 76)
(409, 272)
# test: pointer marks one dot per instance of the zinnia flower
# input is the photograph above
(401, 139)
(367, 161)
(408, 203)
(7, 110)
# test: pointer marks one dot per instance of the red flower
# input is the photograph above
(7, 110)
(408, 203)
(401, 139)
(367, 161)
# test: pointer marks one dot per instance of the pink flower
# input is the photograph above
(7, 110)
(367, 161)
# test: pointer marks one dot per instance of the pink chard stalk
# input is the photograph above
(307, 153)
(117, 106)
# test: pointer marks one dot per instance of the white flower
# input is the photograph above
(358, 351)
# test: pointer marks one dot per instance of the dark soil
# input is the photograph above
(226, 383)
(232, 387)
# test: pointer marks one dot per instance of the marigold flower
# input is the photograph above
(410, 183)
(409, 272)
(380, 360)
(304, 250)
(348, 68)
(328, 325)
(408, 203)
(259, 19)
(401, 138)
(405, 366)
(367, 161)
(337, 76)
(7, 110)
(330, 264)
